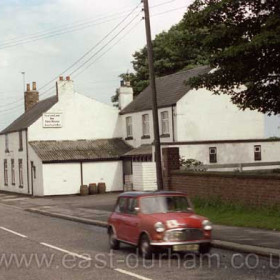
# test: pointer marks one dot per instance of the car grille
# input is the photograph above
(188, 234)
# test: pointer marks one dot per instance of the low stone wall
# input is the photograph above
(245, 189)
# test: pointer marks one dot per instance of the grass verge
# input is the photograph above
(234, 214)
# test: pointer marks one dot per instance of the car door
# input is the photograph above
(131, 221)
(119, 218)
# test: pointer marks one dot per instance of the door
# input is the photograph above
(127, 174)
(118, 218)
(131, 221)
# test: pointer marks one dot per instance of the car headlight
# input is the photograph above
(159, 227)
(207, 225)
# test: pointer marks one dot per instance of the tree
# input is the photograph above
(243, 38)
(174, 50)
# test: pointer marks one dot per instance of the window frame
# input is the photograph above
(165, 130)
(135, 201)
(20, 140)
(129, 128)
(257, 154)
(6, 143)
(6, 174)
(13, 173)
(213, 156)
(146, 125)
(20, 173)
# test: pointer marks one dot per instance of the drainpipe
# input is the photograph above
(173, 129)
(27, 162)
(82, 176)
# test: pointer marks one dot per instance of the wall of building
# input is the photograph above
(82, 118)
(36, 183)
(240, 152)
(204, 116)
(109, 172)
(15, 154)
(144, 176)
(137, 129)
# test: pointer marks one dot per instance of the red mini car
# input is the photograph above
(158, 219)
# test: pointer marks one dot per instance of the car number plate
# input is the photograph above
(186, 247)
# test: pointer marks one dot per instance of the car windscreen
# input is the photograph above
(164, 204)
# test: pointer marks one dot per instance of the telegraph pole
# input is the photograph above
(154, 96)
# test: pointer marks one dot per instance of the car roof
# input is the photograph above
(149, 193)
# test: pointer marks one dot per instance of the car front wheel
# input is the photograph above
(113, 242)
(145, 247)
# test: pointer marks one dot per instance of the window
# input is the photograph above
(129, 127)
(13, 171)
(6, 172)
(164, 123)
(20, 173)
(258, 152)
(20, 140)
(145, 125)
(6, 143)
(131, 204)
(121, 206)
(212, 154)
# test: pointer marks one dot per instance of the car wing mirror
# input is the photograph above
(137, 209)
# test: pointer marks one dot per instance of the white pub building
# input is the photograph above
(69, 139)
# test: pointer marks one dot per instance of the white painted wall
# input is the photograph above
(61, 178)
(272, 126)
(15, 154)
(144, 176)
(231, 152)
(110, 172)
(82, 118)
(125, 96)
(204, 116)
(137, 129)
(38, 184)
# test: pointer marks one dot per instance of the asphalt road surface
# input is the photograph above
(40, 247)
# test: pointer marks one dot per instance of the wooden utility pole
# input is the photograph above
(154, 96)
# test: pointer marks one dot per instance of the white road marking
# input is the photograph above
(13, 232)
(132, 274)
(66, 251)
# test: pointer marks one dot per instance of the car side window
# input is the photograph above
(121, 206)
(131, 204)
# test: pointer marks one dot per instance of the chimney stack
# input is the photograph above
(125, 93)
(31, 97)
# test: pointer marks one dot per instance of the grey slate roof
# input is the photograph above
(80, 150)
(32, 115)
(140, 151)
(170, 89)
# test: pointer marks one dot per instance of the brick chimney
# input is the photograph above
(31, 97)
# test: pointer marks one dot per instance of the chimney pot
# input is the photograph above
(61, 78)
(68, 78)
(27, 87)
(122, 83)
(34, 86)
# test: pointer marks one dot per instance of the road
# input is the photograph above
(41, 247)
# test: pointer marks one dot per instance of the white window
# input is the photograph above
(20, 173)
(213, 155)
(258, 152)
(164, 123)
(13, 171)
(6, 143)
(145, 125)
(129, 126)
(6, 172)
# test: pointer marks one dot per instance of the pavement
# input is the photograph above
(95, 210)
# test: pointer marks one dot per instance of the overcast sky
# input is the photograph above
(36, 39)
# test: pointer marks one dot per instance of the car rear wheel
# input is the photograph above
(204, 249)
(145, 247)
(113, 241)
